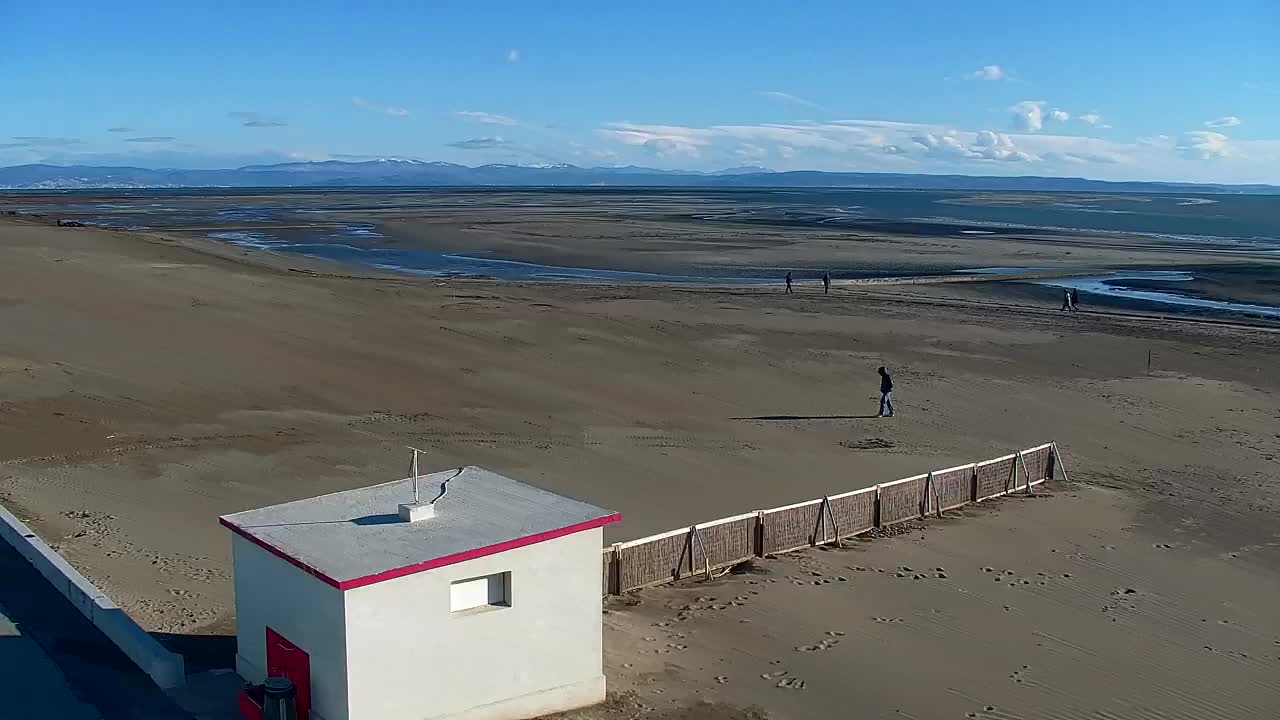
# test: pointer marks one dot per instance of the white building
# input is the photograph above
(489, 608)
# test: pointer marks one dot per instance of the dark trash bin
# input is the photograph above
(279, 699)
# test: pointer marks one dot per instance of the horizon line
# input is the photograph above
(723, 172)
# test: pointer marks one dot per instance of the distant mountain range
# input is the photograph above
(394, 172)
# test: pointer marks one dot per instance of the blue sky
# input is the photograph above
(1115, 90)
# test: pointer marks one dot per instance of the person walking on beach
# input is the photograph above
(1075, 299)
(886, 393)
(826, 283)
(789, 290)
(1066, 299)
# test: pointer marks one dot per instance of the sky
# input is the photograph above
(1117, 90)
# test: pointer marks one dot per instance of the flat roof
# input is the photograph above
(354, 538)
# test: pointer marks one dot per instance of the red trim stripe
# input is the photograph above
(426, 564)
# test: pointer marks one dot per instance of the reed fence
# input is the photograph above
(704, 548)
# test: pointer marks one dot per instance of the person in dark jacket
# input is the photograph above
(826, 283)
(1075, 299)
(789, 290)
(886, 393)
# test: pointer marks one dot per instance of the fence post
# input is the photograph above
(696, 534)
(615, 582)
(1010, 482)
(876, 514)
(1026, 473)
(757, 539)
(824, 515)
(937, 497)
(1057, 455)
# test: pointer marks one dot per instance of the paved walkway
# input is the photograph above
(31, 683)
(54, 664)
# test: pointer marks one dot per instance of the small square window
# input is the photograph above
(487, 591)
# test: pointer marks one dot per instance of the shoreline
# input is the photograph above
(1181, 306)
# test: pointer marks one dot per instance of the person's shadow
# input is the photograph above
(788, 418)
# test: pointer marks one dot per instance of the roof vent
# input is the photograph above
(415, 511)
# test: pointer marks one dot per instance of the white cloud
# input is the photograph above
(661, 140)
(988, 72)
(888, 146)
(486, 118)
(1207, 145)
(1223, 122)
(392, 110)
(944, 144)
(170, 155)
(482, 143)
(1261, 87)
(1033, 115)
(40, 141)
(1092, 118)
(582, 151)
(788, 97)
(866, 138)
(748, 151)
(983, 145)
(998, 146)
(667, 148)
(513, 55)
(1028, 115)
(257, 119)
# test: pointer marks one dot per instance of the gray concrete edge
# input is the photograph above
(164, 667)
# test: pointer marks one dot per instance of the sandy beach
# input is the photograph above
(151, 382)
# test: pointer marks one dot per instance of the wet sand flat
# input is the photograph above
(738, 234)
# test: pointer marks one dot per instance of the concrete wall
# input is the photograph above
(410, 657)
(306, 611)
(164, 667)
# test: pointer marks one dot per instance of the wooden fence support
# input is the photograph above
(1057, 456)
(615, 581)
(825, 515)
(924, 497)
(1026, 473)
(876, 514)
(696, 534)
(757, 537)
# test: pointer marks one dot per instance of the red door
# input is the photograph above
(284, 659)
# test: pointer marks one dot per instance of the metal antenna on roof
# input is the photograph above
(413, 471)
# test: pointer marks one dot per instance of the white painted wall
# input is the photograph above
(411, 658)
(305, 610)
